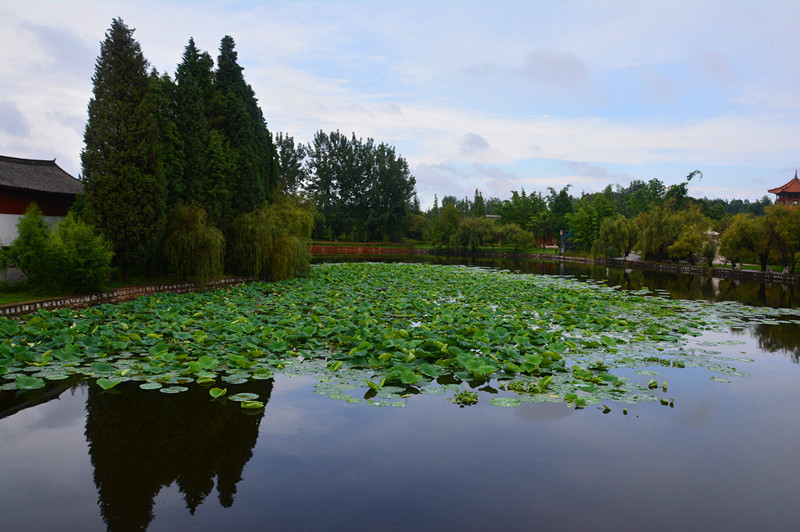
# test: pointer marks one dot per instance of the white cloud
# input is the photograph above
(472, 95)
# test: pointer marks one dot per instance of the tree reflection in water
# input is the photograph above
(140, 441)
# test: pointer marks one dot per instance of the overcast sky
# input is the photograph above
(493, 95)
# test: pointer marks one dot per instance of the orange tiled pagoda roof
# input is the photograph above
(791, 186)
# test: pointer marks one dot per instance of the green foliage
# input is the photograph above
(527, 211)
(560, 205)
(235, 113)
(72, 258)
(472, 233)
(29, 249)
(742, 239)
(80, 259)
(404, 324)
(513, 235)
(617, 237)
(478, 208)
(659, 228)
(194, 80)
(291, 156)
(363, 191)
(692, 236)
(465, 398)
(445, 224)
(193, 246)
(125, 185)
(709, 253)
(783, 229)
(273, 241)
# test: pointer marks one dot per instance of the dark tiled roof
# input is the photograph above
(791, 186)
(41, 176)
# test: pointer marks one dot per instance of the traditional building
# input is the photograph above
(24, 181)
(788, 194)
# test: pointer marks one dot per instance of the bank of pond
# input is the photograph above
(431, 392)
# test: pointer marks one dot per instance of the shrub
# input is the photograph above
(79, 258)
(29, 250)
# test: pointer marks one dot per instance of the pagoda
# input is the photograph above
(788, 194)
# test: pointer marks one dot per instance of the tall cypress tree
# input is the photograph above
(125, 186)
(194, 77)
(236, 114)
(171, 146)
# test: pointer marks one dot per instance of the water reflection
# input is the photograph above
(784, 339)
(140, 442)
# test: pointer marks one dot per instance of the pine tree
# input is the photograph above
(194, 79)
(125, 185)
(171, 145)
(236, 114)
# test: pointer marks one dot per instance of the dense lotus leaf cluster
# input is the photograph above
(390, 330)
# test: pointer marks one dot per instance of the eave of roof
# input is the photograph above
(37, 175)
(791, 186)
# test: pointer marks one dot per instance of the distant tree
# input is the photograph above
(529, 211)
(515, 236)
(124, 178)
(291, 167)
(478, 205)
(363, 190)
(617, 236)
(445, 224)
(692, 237)
(584, 226)
(742, 239)
(659, 228)
(492, 205)
(783, 228)
(472, 233)
(388, 191)
(434, 212)
(560, 205)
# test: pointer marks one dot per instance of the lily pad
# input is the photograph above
(505, 402)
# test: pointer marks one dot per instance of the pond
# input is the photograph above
(722, 456)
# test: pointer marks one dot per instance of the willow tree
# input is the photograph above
(123, 175)
(193, 246)
(272, 242)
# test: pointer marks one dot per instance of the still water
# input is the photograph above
(725, 457)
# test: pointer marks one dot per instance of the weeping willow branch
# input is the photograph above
(272, 242)
(193, 246)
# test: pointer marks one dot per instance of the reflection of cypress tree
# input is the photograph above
(141, 441)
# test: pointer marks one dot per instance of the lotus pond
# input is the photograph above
(397, 395)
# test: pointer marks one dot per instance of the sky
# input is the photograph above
(474, 94)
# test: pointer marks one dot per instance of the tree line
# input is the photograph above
(658, 221)
(183, 176)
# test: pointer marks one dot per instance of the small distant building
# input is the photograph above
(788, 194)
(24, 181)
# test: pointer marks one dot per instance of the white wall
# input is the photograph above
(8, 226)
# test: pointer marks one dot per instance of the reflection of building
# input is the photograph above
(788, 194)
(143, 441)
